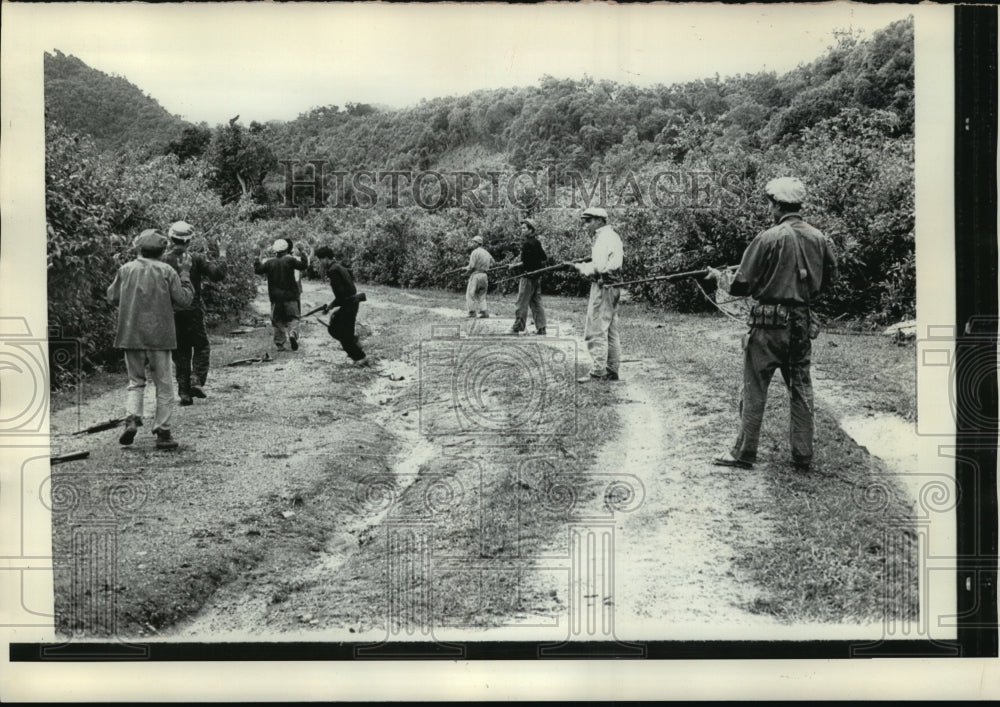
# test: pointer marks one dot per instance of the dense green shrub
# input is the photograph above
(96, 203)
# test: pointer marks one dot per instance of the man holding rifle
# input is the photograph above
(601, 329)
(784, 269)
(193, 350)
(480, 262)
(529, 289)
(345, 301)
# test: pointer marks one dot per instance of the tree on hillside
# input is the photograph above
(240, 159)
(192, 143)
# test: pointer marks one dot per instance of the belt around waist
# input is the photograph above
(785, 303)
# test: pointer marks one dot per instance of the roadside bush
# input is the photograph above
(96, 203)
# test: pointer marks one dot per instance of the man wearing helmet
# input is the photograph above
(283, 290)
(783, 269)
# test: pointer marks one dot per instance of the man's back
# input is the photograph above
(146, 291)
(790, 262)
(280, 271)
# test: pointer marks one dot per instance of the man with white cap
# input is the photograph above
(601, 329)
(480, 261)
(193, 353)
(783, 269)
(283, 290)
(146, 290)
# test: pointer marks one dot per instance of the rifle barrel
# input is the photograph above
(550, 268)
(658, 278)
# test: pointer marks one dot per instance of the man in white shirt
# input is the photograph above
(601, 329)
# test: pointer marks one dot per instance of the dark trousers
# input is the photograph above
(529, 295)
(788, 350)
(342, 329)
(191, 357)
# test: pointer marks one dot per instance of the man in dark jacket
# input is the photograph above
(344, 319)
(529, 290)
(193, 350)
(283, 290)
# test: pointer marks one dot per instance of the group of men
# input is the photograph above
(602, 269)
(784, 269)
(161, 325)
(161, 317)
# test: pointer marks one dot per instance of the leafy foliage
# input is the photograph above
(112, 111)
(683, 167)
(96, 203)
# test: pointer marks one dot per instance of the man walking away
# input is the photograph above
(283, 291)
(342, 323)
(146, 290)
(193, 350)
(529, 289)
(784, 269)
(601, 328)
(480, 261)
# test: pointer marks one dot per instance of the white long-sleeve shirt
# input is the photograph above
(606, 255)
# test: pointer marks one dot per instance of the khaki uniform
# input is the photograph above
(784, 268)
(480, 261)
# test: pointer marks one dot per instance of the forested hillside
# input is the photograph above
(680, 167)
(109, 109)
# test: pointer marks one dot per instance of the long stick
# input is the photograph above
(558, 266)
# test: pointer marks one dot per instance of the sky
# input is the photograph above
(273, 62)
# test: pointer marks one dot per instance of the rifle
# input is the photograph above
(69, 457)
(665, 278)
(360, 297)
(110, 424)
(558, 266)
(451, 272)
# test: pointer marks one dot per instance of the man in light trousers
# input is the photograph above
(480, 261)
(601, 329)
(146, 290)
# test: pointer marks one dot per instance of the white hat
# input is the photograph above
(280, 245)
(181, 231)
(596, 212)
(478, 240)
(787, 190)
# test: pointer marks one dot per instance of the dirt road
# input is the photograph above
(408, 501)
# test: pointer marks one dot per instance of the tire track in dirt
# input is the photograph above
(673, 571)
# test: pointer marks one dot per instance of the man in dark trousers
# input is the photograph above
(783, 269)
(283, 291)
(343, 321)
(529, 290)
(193, 353)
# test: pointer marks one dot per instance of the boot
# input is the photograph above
(484, 315)
(612, 375)
(541, 331)
(184, 391)
(132, 423)
(472, 315)
(196, 391)
(164, 440)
